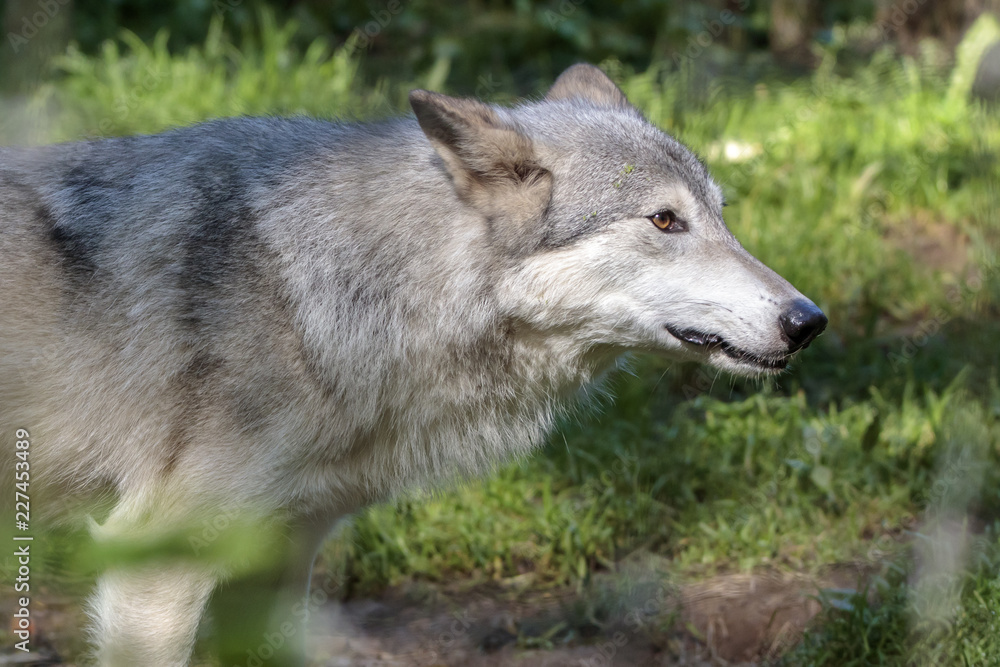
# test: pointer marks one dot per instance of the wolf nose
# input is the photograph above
(802, 323)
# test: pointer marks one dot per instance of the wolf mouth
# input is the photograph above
(713, 341)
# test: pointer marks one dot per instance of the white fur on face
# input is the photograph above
(628, 285)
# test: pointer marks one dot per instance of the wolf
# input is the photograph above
(285, 320)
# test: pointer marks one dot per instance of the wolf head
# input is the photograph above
(613, 229)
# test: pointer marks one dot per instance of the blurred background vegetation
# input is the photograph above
(513, 45)
(858, 147)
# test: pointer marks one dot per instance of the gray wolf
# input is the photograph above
(291, 319)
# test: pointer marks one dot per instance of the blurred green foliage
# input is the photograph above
(493, 41)
(486, 46)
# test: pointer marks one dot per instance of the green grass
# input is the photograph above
(894, 622)
(890, 420)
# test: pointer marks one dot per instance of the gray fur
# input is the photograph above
(296, 318)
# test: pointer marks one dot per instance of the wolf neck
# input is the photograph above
(418, 273)
(402, 303)
(454, 403)
(560, 363)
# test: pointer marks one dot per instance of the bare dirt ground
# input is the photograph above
(730, 619)
(629, 619)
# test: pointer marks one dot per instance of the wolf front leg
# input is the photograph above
(149, 615)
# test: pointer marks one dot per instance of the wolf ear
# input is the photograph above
(587, 82)
(492, 163)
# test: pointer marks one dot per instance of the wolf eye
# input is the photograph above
(668, 221)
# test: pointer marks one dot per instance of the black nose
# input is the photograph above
(802, 323)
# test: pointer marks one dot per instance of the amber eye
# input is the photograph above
(668, 221)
